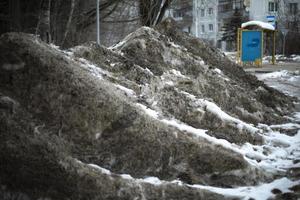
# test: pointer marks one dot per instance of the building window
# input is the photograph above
(211, 27)
(210, 11)
(238, 4)
(202, 12)
(293, 8)
(225, 7)
(178, 14)
(273, 6)
(202, 28)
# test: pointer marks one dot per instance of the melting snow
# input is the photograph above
(261, 192)
(148, 111)
(129, 92)
(177, 73)
(218, 71)
(277, 154)
(152, 180)
(213, 108)
(102, 170)
(277, 74)
(287, 126)
(186, 128)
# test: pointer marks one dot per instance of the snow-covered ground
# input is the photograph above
(285, 81)
(283, 58)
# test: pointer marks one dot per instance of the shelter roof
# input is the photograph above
(262, 25)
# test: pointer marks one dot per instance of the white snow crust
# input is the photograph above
(261, 24)
(260, 192)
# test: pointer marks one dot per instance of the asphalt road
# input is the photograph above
(277, 67)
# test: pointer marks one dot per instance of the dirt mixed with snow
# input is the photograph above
(160, 115)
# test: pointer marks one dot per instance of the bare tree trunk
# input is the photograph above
(15, 15)
(68, 26)
(44, 22)
(152, 11)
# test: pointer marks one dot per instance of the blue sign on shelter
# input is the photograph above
(251, 46)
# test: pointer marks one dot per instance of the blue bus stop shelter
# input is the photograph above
(250, 42)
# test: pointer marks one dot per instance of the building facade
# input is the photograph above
(210, 17)
(283, 11)
(205, 20)
(227, 10)
(260, 9)
(182, 12)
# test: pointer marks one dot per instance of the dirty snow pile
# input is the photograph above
(276, 155)
(160, 115)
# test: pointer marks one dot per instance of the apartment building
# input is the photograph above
(205, 20)
(290, 17)
(182, 12)
(209, 17)
(282, 11)
(261, 9)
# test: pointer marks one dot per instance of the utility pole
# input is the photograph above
(98, 22)
(195, 15)
(284, 33)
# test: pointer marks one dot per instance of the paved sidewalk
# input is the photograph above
(271, 68)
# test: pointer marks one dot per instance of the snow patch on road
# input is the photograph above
(260, 192)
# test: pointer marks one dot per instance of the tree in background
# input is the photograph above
(288, 20)
(152, 11)
(71, 22)
(231, 27)
(43, 27)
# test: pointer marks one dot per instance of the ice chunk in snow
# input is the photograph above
(177, 73)
(126, 176)
(54, 46)
(102, 170)
(152, 180)
(129, 92)
(218, 71)
(148, 111)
